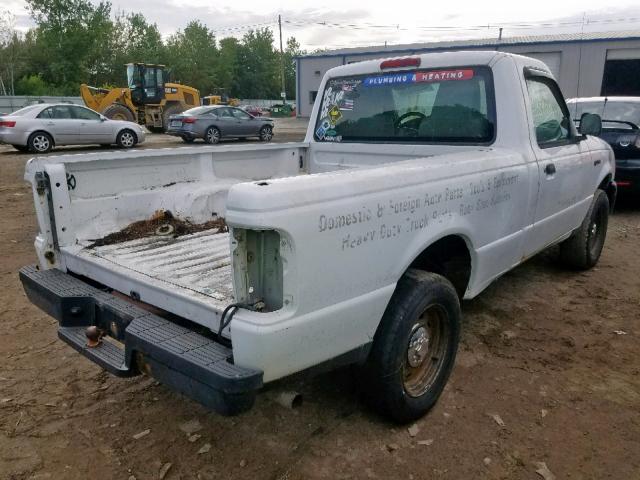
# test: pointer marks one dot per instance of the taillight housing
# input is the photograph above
(7, 123)
(189, 120)
(400, 62)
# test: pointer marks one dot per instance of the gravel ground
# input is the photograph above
(548, 371)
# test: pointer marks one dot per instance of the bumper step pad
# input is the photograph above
(179, 357)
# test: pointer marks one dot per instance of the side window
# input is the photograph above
(84, 113)
(46, 113)
(239, 114)
(61, 112)
(551, 118)
(224, 113)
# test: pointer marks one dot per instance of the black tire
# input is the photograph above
(583, 248)
(21, 148)
(118, 111)
(40, 142)
(167, 112)
(266, 133)
(403, 381)
(186, 139)
(126, 138)
(212, 135)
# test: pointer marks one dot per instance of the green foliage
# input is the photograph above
(80, 41)
(33, 85)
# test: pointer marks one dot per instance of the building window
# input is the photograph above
(312, 96)
(621, 78)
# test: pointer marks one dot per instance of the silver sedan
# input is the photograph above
(38, 128)
(212, 123)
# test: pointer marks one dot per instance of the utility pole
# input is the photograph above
(283, 93)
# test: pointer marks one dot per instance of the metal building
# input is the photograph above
(585, 65)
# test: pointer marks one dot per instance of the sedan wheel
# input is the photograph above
(266, 134)
(40, 142)
(212, 135)
(126, 139)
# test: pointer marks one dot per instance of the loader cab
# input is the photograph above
(146, 83)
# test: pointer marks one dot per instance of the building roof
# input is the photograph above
(484, 43)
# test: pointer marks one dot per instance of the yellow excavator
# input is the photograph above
(148, 99)
(220, 97)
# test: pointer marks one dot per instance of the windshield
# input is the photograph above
(24, 110)
(432, 106)
(198, 111)
(609, 110)
(133, 76)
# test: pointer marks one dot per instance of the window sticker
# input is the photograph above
(419, 77)
(334, 114)
(346, 104)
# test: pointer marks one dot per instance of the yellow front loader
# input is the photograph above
(148, 100)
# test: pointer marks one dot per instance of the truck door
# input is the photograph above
(563, 162)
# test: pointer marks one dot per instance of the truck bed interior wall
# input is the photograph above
(95, 195)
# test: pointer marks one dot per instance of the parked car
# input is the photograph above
(213, 123)
(620, 129)
(38, 128)
(355, 246)
(252, 110)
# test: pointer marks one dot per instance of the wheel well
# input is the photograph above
(609, 189)
(448, 257)
(53, 140)
(127, 129)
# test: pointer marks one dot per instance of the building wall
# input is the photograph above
(578, 66)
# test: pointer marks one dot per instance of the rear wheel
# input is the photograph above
(118, 111)
(167, 112)
(415, 346)
(40, 142)
(583, 248)
(212, 135)
(266, 133)
(126, 139)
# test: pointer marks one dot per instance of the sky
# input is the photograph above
(352, 23)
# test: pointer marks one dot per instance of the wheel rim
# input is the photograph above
(595, 241)
(41, 143)
(267, 134)
(425, 352)
(213, 136)
(127, 140)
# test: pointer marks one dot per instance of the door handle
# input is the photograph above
(550, 169)
(50, 123)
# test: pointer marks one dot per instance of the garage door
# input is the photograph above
(551, 59)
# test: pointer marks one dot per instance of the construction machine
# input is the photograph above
(148, 99)
(220, 97)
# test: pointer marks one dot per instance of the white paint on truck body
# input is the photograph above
(350, 222)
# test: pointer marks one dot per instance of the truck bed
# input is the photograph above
(192, 272)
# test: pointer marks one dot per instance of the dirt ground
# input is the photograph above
(548, 371)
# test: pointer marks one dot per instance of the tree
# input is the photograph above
(69, 37)
(292, 51)
(192, 55)
(260, 65)
(11, 49)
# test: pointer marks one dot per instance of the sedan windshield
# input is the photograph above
(611, 112)
(432, 106)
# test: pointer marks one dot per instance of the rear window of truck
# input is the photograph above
(452, 106)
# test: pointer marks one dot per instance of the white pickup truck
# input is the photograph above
(420, 181)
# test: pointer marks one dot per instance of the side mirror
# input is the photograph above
(590, 124)
(103, 118)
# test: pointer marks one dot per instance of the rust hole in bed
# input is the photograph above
(160, 220)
